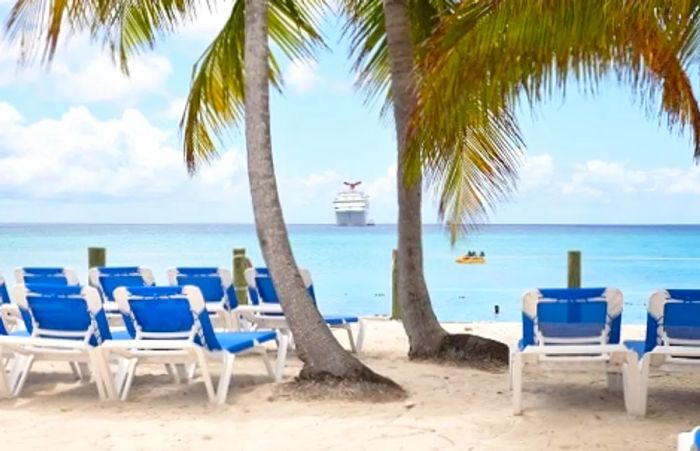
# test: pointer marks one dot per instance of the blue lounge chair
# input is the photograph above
(108, 278)
(268, 312)
(63, 323)
(672, 341)
(216, 286)
(575, 330)
(689, 441)
(8, 311)
(171, 325)
(46, 276)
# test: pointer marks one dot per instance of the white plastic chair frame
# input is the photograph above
(180, 349)
(259, 315)
(582, 354)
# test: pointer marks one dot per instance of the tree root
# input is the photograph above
(467, 350)
(361, 384)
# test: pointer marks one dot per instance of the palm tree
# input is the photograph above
(215, 101)
(454, 71)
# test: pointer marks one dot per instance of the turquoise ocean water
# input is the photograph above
(351, 267)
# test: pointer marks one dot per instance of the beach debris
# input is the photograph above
(409, 405)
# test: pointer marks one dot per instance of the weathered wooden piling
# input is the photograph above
(97, 256)
(240, 264)
(574, 269)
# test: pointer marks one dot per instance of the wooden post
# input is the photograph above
(97, 256)
(395, 309)
(240, 264)
(574, 269)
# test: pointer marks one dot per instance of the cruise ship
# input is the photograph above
(351, 206)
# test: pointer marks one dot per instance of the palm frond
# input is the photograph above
(123, 26)
(215, 101)
(488, 56)
(364, 27)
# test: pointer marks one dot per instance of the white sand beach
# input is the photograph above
(447, 408)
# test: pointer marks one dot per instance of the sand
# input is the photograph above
(447, 408)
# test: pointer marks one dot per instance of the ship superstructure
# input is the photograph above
(351, 206)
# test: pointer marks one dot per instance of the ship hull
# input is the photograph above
(351, 218)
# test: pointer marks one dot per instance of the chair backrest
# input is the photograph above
(58, 311)
(572, 316)
(167, 313)
(215, 284)
(4, 295)
(46, 276)
(261, 283)
(673, 318)
(109, 278)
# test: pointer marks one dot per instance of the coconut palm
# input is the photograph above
(236, 66)
(454, 72)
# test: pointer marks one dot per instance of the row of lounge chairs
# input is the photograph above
(579, 330)
(171, 325)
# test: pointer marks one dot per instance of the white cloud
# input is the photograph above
(78, 156)
(84, 72)
(302, 75)
(175, 108)
(98, 79)
(601, 191)
(536, 172)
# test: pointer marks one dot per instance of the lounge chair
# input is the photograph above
(46, 276)
(268, 312)
(171, 325)
(8, 311)
(672, 338)
(689, 441)
(216, 286)
(575, 330)
(63, 323)
(108, 278)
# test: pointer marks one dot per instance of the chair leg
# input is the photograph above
(120, 377)
(23, 365)
(4, 383)
(228, 320)
(631, 388)
(225, 379)
(516, 363)
(84, 371)
(191, 372)
(102, 361)
(282, 349)
(130, 372)
(75, 369)
(182, 373)
(359, 343)
(348, 329)
(268, 366)
(615, 382)
(97, 374)
(643, 390)
(206, 375)
(172, 372)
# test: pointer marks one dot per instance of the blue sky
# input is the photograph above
(81, 143)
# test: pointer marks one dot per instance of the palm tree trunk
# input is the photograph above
(321, 353)
(427, 338)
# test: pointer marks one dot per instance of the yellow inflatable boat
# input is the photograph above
(473, 260)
